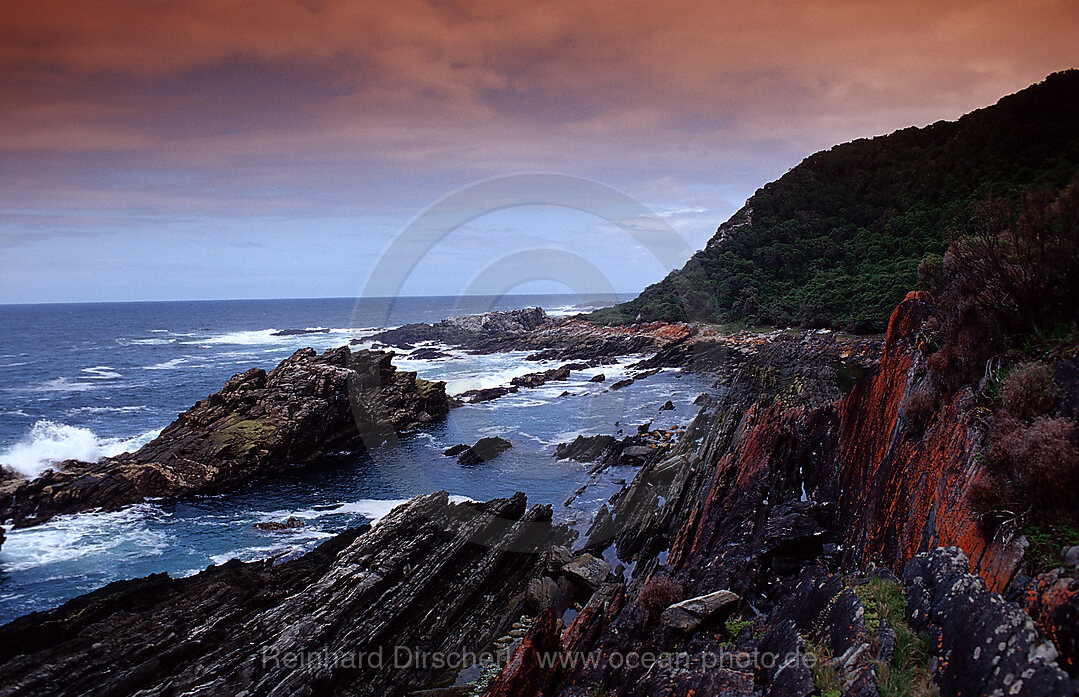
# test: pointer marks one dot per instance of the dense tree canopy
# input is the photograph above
(836, 241)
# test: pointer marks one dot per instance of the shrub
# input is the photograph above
(1028, 390)
(659, 593)
(920, 406)
(1035, 465)
(1012, 275)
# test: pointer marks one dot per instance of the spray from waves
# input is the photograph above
(48, 443)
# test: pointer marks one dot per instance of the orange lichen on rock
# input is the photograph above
(1053, 603)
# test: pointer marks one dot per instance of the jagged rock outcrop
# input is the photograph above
(485, 449)
(433, 578)
(536, 379)
(782, 474)
(982, 644)
(551, 338)
(584, 448)
(258, 423)
(470, 330)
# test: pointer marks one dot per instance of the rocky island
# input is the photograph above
(257, 424)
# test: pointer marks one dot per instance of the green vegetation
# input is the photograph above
(241, 438)
(427, 389)
(733, 627)
(479, 686)
(836, 242)
(1047, 542)
(908, 673)
(826, 678)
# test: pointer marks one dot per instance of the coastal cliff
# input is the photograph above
(808, 510)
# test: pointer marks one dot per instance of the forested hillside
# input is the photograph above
(836, 241)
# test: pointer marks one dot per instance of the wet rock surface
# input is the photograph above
(257, 424)
(485, 449)
(431, 577)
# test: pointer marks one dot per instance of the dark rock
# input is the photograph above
(485, 449)
(622, 383)
(702, 400)
(537, 379)
(687, 615)
(275, 525)
(485, 394)
(557, 557)
(598, 377)
(584, 448)
(418, 580)
(544, 592)
(467, 331)
(455, 450)
(982, 644)
(667, 406)
(528, 673)
(1052, 601)
(259, 423)
(428, 354)
(587, 572)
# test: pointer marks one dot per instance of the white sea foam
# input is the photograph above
(167, 365)
(270, 337)
(69, 538)
(148, 342)
(48, 443)
(101, 372)
(107, 410)
(63, 385)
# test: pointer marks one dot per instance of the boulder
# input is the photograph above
(687, 615)
(276, 525)
(667, 406)
(544, 592)
(428, 354)
(587, 572)
(583, 448)
(598, 377)
(485, 449)
(455, 450)
(485, 394)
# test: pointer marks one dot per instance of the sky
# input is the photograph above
(198, 149)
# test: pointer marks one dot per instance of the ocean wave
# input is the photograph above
(62, 385)
(49, 442)
(82, 536)
(106, 410)
(146, 342)
(329, 336)
(101, 372)
(167, 365)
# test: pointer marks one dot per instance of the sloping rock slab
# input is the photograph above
(432, 578)
(687, 615)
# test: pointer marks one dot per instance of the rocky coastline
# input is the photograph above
(801, 516)
(257, 424)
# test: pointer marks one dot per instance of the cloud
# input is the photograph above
(335, 107)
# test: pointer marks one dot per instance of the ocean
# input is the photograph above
(91, 380)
